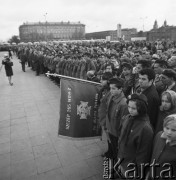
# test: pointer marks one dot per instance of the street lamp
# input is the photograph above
(143, 18)
(46, 33)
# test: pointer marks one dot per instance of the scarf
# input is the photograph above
(168, 141)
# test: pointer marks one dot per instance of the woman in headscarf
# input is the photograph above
(135, 138)
(168, 107)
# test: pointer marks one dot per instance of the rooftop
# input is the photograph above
(53, 23)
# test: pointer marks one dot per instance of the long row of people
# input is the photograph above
(137, 102)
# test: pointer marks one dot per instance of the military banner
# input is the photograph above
(78, 108)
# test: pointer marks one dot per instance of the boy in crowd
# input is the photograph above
(116, 109)
(146, 87)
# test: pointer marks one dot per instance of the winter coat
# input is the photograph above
(135, 141)
(116, 109)
(104, 95)
(161, 116)
(153, 103)
(8, 67)
(163, 154)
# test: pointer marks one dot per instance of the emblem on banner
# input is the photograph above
(83, 110)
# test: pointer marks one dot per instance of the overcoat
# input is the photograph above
(163, 154)
(8, 67)
(116, 109)
(135, 142)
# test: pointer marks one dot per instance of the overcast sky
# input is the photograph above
(97, 15)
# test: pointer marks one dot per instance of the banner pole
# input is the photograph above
(72, 78)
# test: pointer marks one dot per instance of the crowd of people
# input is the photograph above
(137, 101)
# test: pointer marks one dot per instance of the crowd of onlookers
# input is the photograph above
(137, 101)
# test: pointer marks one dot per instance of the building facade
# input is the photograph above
(128, 33)
(101, 35)
(31, 32)
(119, 31)
(114, 35)
(164, 32)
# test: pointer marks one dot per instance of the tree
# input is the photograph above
(14, 39)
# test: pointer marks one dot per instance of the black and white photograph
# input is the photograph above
(87, 89)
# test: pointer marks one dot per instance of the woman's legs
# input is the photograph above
(10, 79)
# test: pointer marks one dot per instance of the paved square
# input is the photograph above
(30, 148)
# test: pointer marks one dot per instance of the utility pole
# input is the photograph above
(143, 18)
(46, 32)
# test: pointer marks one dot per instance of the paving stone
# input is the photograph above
(5, 123)
(21, 155)
(4, 160)
(34, 118)
(19, 127)
(4, 138)
(40, 139)
(21, 144)
(4, 117)
(23, 169)
(43, 150)
(4, 147)
(47, 163)
(81, 143)
(33, 177)
(36, 125)
(96, 164)
(91, 150)
(17, 115)
(18, 121)
(5, 173)
(21, 134)
(4, 130)
(55, 174)
(96, 177)
(78, 171)
(37, 131)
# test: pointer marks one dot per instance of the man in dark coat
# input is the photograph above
(141, 64)
(23, 61)
(146, 79)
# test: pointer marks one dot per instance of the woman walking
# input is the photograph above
(8, 68)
